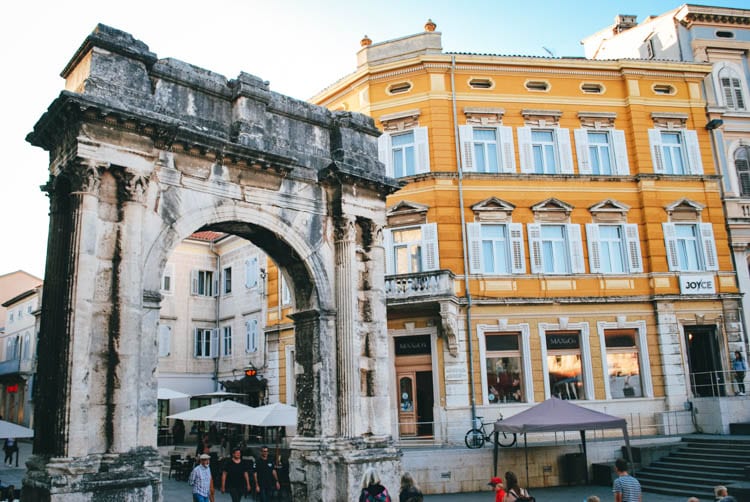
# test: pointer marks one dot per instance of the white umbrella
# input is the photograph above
(271, 415)
(165, 393)
(213, 412)
(11, 430)
(218, 393)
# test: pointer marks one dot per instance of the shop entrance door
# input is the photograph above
(704, 360)
(416, 397)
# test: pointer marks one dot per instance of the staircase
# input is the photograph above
(699, 464)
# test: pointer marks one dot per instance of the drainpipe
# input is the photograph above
(218, 312)
(467, 292)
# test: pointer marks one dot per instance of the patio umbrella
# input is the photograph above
(217, 412)
(270, 415)
(166, 394)
(11, 430)
(218, 394)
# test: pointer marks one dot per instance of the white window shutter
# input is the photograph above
(507, 161)
(693, 151)
(215, 282)
(248, 342)
(430, 257)
(524, 149)
(709, 246)
(670, 241)
(474, 233)
(384, 153)
(575, 245)
(423, 150)
(253, 335)
(466, 136)
(592, 239)
(388, 249)
(564, 151)
(214, 343)
(165, 336)
(535, 247)
(633, 248)
(251, 272)
(193, 282)
(517, 256)
(582, 150)
(622, 166)
(657, 156)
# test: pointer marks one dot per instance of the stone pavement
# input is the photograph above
(178, 491)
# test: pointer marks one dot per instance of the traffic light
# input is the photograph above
(251, 372)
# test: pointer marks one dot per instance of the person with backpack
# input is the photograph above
(372, 490)
(410, 492)
(513, 491)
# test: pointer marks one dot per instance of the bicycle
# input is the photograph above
(477, 436)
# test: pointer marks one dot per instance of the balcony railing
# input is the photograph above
(14, 366)
(420, 285)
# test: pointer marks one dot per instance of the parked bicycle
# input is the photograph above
(477, 436)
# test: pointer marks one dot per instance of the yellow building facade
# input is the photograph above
(559, 232)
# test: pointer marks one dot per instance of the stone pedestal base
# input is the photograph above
(127, 477)
(331, 469)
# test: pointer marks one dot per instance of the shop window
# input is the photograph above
(503, 368)
(623, 364)
(564, 365)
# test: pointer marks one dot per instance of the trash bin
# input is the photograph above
(603, 474)
(573, 469)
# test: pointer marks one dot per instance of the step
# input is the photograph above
(692, 491)
(730, 458)
(714, 472)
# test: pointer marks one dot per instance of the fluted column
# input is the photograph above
(346, 321)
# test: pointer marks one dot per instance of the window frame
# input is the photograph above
(251, 335)
(504, 151)
(167, 279)
(252, 272)
(164, 348)
(421, 150)
(203, 337)
(639, 327)
(523, 330)
(513, 243)
(574, 246)
(618, 152)
(632, 259)
(705, 246)
(203, 283)
(742, 172)
(582, 328)
(429, 255)
(690, 151)
(226, 340)
(562, 151)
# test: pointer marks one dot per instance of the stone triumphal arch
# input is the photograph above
(145, 151)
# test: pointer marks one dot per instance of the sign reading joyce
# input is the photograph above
(697, 284)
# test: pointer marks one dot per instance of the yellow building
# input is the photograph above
(560, 232)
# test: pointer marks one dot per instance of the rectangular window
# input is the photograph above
(286, 295)
(411, 250)
(543, 150)
(404, 153)
(251, 335)
(733, 93)
(623, 364)
(165, 340)
(205, 343)
(227, 280)
(675, 151)
(502, 365)
(485, 151)
(690, 246)
(600, 152)
(564, 365)
(556, 249)
(614, 249)
(203, 283)
(167, 279)
(226, 341)
(496, 248)
(251, 272)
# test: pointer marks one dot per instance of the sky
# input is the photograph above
(299, 46)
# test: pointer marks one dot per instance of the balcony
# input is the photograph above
(433, 285)
(16, 366)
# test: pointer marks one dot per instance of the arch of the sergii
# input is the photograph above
(144, 152)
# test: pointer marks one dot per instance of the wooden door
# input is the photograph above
(407, 415)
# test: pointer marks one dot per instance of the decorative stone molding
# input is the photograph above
(541, 118)
(684, 210)
(552, 210)
(484, 116)
(84, 176)
(597, 120)
(449, 325)
(400, 121)
(609, 211)
(406, 213)
(664, 120)
(493, 209)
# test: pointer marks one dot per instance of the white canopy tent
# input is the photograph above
(11, 430)
(166, 394)
(217, 412)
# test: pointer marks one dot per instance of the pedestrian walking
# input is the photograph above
(265, 476)
(626, 488)
(410, 492)
(739, 366)
(234, 476)
(201, 480)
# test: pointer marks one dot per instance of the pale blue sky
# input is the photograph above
(299, 46)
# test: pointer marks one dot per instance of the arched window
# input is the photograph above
(742, 164)
(731, 88)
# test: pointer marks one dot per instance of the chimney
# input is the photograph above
(624, 22)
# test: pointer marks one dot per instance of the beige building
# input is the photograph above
(12, 284)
